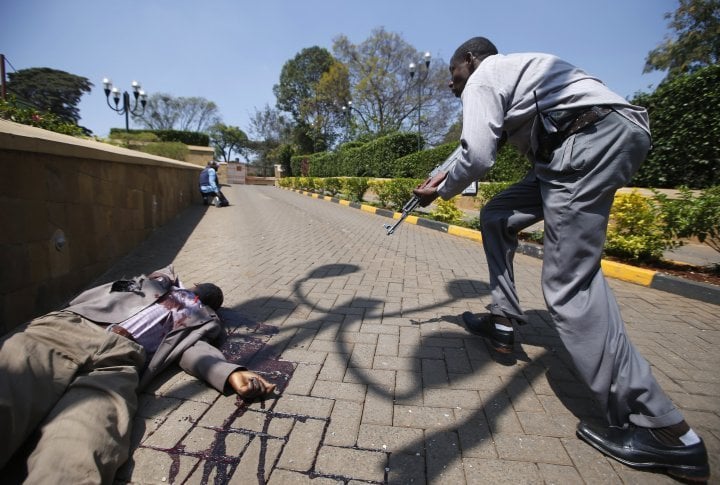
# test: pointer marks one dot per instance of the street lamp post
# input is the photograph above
(138, 94)
(412, 67)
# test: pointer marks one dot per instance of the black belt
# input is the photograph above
(568, 124)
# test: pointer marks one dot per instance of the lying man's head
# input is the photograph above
(210, 295)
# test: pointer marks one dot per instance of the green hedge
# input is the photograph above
(685, 124)
(420, 164)
(376, 158)
(186, 137)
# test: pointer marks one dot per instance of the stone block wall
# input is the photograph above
(70, 208)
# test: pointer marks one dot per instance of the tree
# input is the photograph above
(52, 90)
(308, 89)
(166, 112)
(299, 78)
(270, 130)
(228, 140)
(696, 39)
(385, 97)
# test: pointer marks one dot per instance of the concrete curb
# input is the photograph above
(624, 272)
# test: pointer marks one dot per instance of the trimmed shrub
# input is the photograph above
(689, 216)
(332, 185)
(400, 191)
(186, 137)
(174, 150)
(636, 231)
(447, 211)
(420, 164)
(355, 188)
(685, 121)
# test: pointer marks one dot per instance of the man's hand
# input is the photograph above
(249, 385)
(427, 191)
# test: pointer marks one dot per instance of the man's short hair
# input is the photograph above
(210, 295)
(479, 47)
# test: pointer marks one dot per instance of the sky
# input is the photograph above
(231, 52)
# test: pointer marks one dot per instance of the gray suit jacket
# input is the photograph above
(189, 345)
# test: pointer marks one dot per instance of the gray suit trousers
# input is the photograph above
(74, 384)
(573, 193)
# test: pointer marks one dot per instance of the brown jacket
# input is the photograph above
(189, 346)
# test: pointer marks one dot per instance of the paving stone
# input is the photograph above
(390, 439)
(339, 390)
(452, 397)
(304, 406)
(479, 472)
(344, 424)
(423, 417)
(406, 469)
(474, 433)
(303, 444)
(370, 325)
(334, 367)
(444, 460)
(545, 424)
(176, 425)
(303, 379)
(396, 363)
(285, 477)
(264, 422)
(257, 461)
(541, 449)
(362, 356)
(378, 409)
(350, 463)
(151, 466)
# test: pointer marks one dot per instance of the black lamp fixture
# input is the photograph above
(139, 95)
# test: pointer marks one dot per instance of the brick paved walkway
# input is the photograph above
(379, 382)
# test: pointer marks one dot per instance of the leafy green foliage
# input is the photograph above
(447, 211)
(510, 166)
(170, 149)
(400, 191)
(685, 121)
(133, 136)
(381, 189)
(420, 164)
(29, 116)
(332, 185)
(50, 90)
(488, 190)
(373, 159)
(228, 140)
(696, 39)
(636, 229)
(688, 216)
(385, 99)
(186, 137)
(355, 188)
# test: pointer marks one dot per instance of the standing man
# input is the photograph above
(71, 377)
(585, 142)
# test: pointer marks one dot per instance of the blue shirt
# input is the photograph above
(211, 186)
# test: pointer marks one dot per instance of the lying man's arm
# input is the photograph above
(206, 362)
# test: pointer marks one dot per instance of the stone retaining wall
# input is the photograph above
(70, 208)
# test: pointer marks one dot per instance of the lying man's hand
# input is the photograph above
(427, 191)
(249, 385)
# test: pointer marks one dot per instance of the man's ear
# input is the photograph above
(469, 58)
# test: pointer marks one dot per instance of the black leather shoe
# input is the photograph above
(637, 447)
(501, 340)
